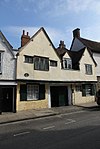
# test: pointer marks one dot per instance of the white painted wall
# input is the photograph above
(97, 59)
(41, 46)
(8, 63)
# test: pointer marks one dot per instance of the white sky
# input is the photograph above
(58, 17)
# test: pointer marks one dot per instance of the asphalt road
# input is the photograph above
(78, 130)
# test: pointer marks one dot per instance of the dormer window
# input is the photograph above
(88, 69)
(67, 63)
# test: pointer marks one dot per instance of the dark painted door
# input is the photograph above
(59, 96)
(54, 96)
(7, 101)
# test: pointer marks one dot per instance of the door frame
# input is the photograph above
(57, 88)
(13, 102)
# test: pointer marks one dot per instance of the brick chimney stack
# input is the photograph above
(76, 33)
(62, 45)
(24, 38)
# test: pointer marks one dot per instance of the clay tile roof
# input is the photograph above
(76, 56)
(92, 45)
(61, 51)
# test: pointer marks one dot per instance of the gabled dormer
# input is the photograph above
(66, 61)
(78, 43)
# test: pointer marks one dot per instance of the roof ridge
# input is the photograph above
(89, 40)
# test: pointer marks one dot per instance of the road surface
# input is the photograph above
(77, 130)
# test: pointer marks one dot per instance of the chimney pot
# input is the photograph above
(23, 32)
(62, 45)
(24, 38)
(27, 33)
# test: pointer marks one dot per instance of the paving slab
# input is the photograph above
(37, 113)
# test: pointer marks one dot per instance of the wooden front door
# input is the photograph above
(59, 96)
(7, 99)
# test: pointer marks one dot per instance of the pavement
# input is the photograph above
(8, 117)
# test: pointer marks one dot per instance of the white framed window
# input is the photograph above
(67, 63)
(32, 92)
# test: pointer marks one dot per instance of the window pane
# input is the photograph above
(28, 59)
(53, 63)
(67, 63)
(88, 69)
(36, 63)
(29, 92)
(32, 92)
(88, 90)
(41, 63)
(46, 64)
(36, 92)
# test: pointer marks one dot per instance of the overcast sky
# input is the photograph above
(58, 17)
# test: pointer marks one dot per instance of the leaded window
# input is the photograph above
(41, 63)
(67, 63)
(32, 92)
(28, 59)
(88, 69)
(53, 63)
(88, 89)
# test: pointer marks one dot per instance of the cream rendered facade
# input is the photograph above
(56, 77)
(86, 59)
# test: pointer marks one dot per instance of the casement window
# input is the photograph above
(41, 63)
(88, 90)
(28, 59)
(32, 92)
(67, 63)
(53, 63)
(88, 69)
(0, 62)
